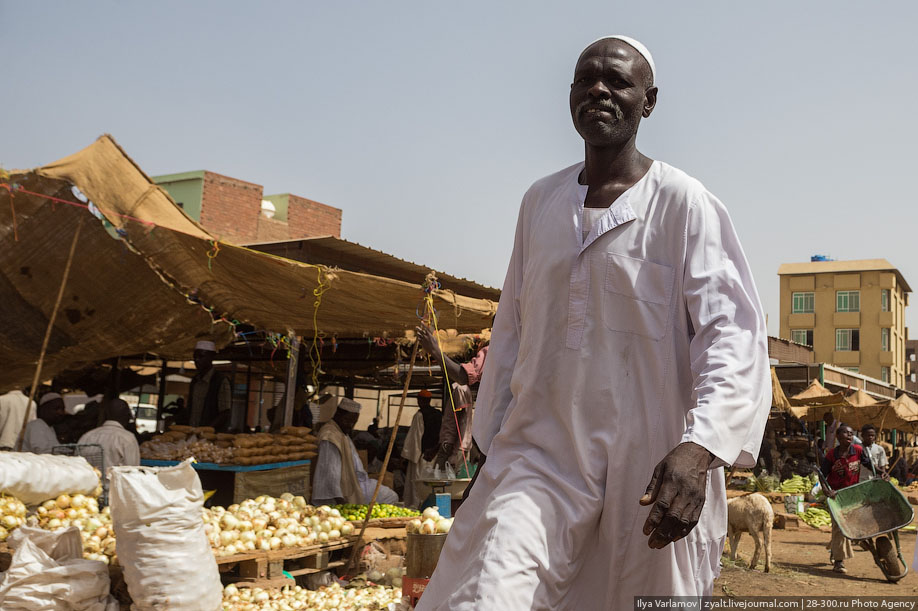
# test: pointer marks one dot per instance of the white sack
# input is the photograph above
(48, 573)
(34, 478)
(160, 539)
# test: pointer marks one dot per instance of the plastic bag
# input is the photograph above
(35, 478)
(48, 573)
(167, 559)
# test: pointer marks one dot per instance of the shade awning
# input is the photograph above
(148, 278)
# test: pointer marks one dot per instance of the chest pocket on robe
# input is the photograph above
(636, 296)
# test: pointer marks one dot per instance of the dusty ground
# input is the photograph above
(800, 566)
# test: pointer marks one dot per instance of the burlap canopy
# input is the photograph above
(148, 278)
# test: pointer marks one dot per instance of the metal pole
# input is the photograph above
(161, 401)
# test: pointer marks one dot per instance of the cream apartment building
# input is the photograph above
(852, 313)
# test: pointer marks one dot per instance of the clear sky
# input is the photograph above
(426, 121)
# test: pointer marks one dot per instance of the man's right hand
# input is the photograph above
(428, 341)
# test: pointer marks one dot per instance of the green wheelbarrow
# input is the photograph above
(869, 511)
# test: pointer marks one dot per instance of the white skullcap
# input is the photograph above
(637, 46)
(349, 405)
(206, 345)
(48, 397)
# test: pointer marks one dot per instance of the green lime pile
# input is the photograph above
(356, 513)
(816, 517)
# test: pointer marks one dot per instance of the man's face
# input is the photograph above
(845, 435)
(869, 436)
(346, 420)
(53, 412)
(610, 93)
(203, 360)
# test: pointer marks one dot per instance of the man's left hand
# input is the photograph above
(677, 492)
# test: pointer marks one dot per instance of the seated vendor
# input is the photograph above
(339, 475)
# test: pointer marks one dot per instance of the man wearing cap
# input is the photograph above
(210, 398)
(628, 364)
(339, 474)
(39, 437)
(422, 442)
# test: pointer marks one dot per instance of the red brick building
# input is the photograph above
(238, 211)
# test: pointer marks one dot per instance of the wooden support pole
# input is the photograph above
(44, 343)
(385, 464)
(293, 360)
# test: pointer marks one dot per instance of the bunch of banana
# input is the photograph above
(796, 485)
(816, 517)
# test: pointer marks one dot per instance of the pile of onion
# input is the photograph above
(268, 523)
(430, 523)
(325, 598)
(12, 515)
(83, 512)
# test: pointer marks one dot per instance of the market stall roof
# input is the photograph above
(147, 278)
(816, 394)
(778, 398)
(861, 399)
(905, 407)
(881, 415)
(855, 410)
(332, 251)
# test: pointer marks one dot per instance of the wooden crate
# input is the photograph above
(265, 569)
(384, 523)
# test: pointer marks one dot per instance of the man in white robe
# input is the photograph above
(13, 408)
(628, 364)
(119, 445)
(39, 436)
(339, 475)
(421, 443)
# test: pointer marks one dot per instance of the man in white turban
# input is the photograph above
(628, 364)
(340, 476)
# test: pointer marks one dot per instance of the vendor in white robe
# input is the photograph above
(39, 436)
(628, 364)
(339, 475)
(422, 443)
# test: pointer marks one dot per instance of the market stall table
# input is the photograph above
(235, 483)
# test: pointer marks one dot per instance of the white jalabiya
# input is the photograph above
(412, 452)
(327, 485)
(13, 407)
(119, 445)
(606, 353)
(39, 437)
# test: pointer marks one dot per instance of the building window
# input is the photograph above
(884, 339)
(802, 336)
(803, 303)
(847, 339)
(884, 300)
(848, 301)
(884, 374)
